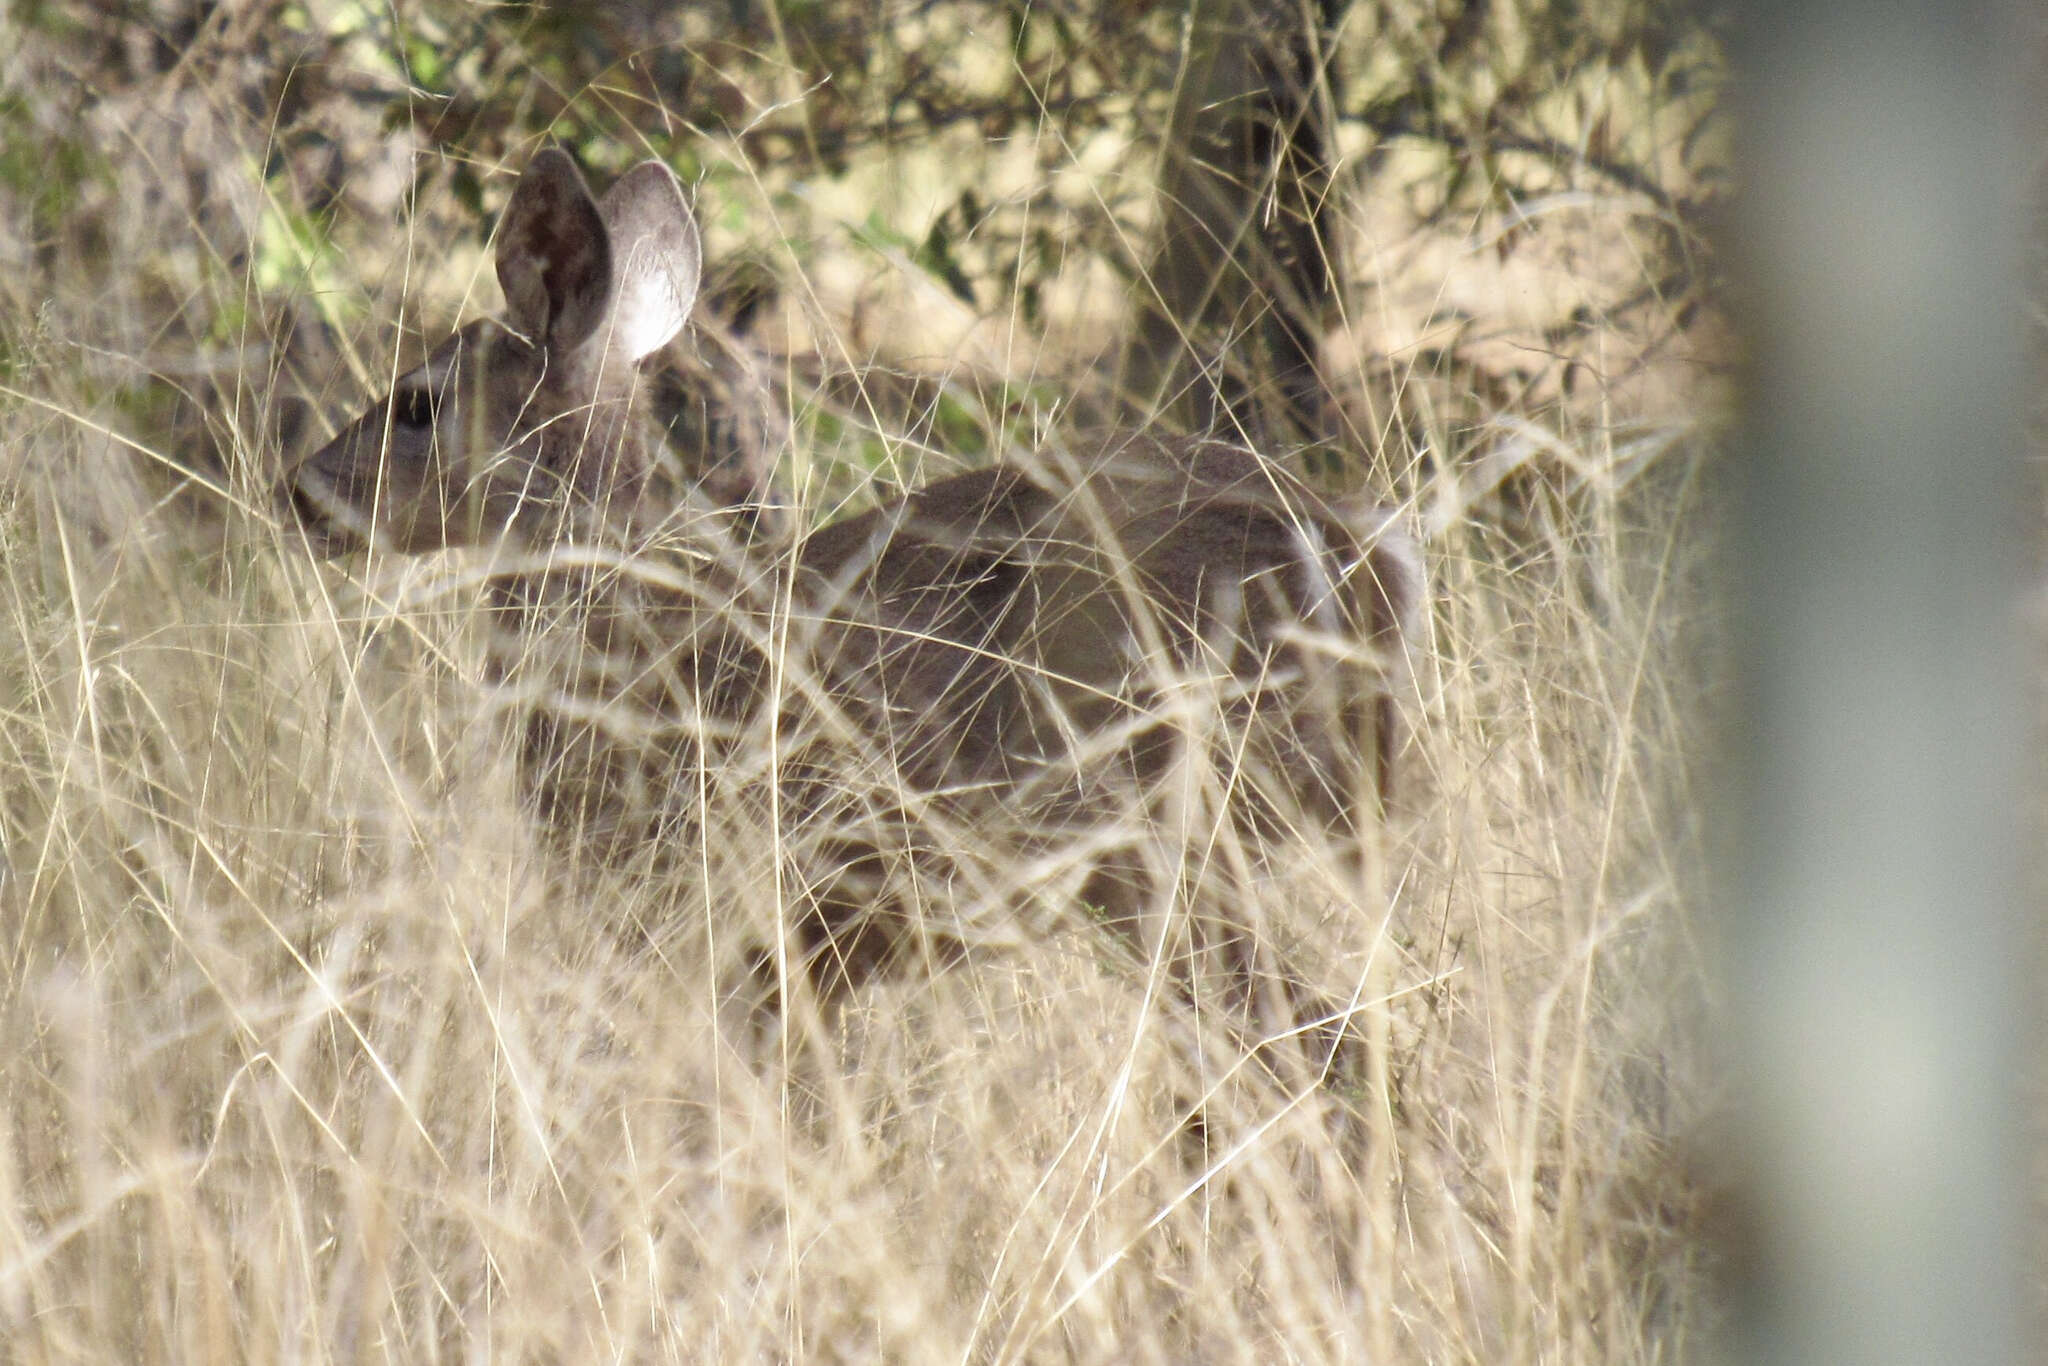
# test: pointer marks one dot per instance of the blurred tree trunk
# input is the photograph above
(1231, 307)
(1879, 1001)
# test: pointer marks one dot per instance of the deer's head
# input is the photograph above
(525, 427)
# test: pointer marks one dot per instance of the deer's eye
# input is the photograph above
(415, 406)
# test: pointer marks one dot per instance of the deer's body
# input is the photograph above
(1024, 649)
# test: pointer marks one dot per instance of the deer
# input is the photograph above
(1012, 650)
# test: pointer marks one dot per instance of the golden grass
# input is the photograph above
(305, 1045)
(310, 1049)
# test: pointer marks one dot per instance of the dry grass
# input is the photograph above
(309, 1048)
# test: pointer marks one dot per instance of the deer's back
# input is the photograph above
(983, 623)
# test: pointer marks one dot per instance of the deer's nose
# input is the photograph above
(298, 500)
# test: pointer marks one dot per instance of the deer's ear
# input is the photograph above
(656, 258)
(554, 258)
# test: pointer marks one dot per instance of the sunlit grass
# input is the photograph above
(311, 1045)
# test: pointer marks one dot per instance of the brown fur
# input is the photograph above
(1011, 649)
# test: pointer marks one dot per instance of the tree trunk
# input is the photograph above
(1231, 309)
